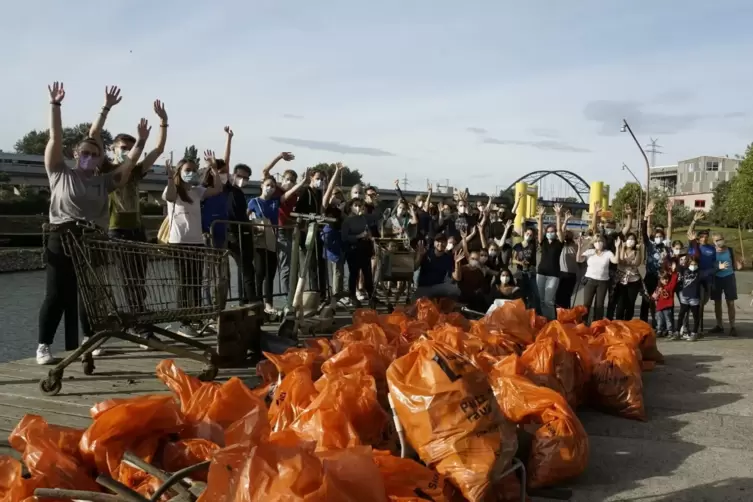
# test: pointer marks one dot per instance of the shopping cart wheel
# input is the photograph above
(51, 385)
(209, 373)
(88, 364)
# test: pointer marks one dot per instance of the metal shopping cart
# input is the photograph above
(127, 287)
(397, 264)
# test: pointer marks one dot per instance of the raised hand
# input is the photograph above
(618, 241)
(463, 232)
(699, 215)
(397, 183)
(210, 159)
(429, 188)
(670, 204)
(459, 256)
(143, 130)
(421, 248)
(306, 175)
(557, 208)
(692, 235)
(568, 215)
(112, 96)
(650, 208)
(540, 211)
(169, 167)
(339, 167)
(597, 208)
(287, 156)
(508, 224)
(228, 131)
(57, 92)
(627, 210)
(159, 110)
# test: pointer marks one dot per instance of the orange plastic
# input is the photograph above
(365, 316)
(427, 311)
(362, 358)
(291, 397)
(451, 417)
(636, 333)
(513, 320)
(294, 358)
(455, 319)
(407, 480)
(559, 450)
(267, 371)
(34, 428)
(617, 385)
(572, 316)
(252, 427)
(188, 452)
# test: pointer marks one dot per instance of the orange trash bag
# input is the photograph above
(188, 452)
(370, 333)
(451, 418)
(427, 311)
(33, 428)
(572, 316)
(267, 371)
(636, 333)
(291, 397)
(407, 480)
(513, 320)
(361, 358)
(549, 364)
(294, 358)
(559, 449)
(617, 384)
(252, 427)
(365, 316)
(346, 413)
(282, 472)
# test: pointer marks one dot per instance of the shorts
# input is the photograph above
(707, 280)
(726, 285)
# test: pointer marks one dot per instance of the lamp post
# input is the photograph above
(640, 199)
(626, 127)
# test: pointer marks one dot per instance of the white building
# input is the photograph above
(692, 182)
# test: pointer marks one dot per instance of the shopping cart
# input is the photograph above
(174, 484)
(130, 287)
(397, 264)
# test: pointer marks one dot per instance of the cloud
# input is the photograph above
(734, 115)
(610, 114)
(541, 145)
(672, 97)
(544, 132)
(476, 130)
(333, 146)
(292, 116)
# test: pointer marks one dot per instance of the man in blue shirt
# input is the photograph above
(724, 283)
(705, 253)
(436, 268)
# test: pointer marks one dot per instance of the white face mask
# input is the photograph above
(240, 182)
(693, 268)
(598, 246)
(527, 237)
(356, 195)
(492, 253)
(505, 279)
(269, 190)
(223, 178)
(658, 240)
(450, 245)
(676, 251)
(630, 243)
(720, 243)
(287, 185)
(473, 263)
(318, 183)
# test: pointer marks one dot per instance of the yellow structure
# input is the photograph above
(605, 197)
(533, 200)
(521, 188)
(597, 192)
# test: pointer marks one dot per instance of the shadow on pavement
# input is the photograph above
(728, 490)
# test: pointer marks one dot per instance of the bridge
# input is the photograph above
(28, 170)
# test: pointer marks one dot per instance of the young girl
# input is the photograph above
(664, 296)
(689, 286)
(507, 290)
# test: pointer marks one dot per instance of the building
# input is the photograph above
(692, 182)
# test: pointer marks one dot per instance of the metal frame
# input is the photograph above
(577, 183)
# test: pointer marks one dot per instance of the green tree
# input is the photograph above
(34, 142)
(630, 194)
(739, 203)
(506, 198)
(718, 215)
(347, 178)
(191, 153)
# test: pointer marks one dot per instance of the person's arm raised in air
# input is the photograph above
(647, 222)
(579, 255)
(122, 172)
(331, 186)
(670, 205)
(286, 156)
(112, 98)
(457, 271)
(540, 223)
(558, 224)
(151, 157)
(615, 258)
(228, 145)
(216, 187)
(302, 180)
(420, 255)
(506, 234)
(517, 203)
(468, 236)
(596, 217)
(638, 255)
(53, 152)
(628, 219)
(565, 220)
(171, 191)
(691, 229)
(429, 190)
(413, 214)
(482, 235)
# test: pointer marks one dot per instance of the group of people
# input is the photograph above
(462, 250)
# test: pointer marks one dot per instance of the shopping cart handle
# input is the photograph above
(313, 217)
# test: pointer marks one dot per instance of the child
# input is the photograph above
(689, 286)
(664, 296)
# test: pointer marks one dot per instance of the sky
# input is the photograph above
(477, 93)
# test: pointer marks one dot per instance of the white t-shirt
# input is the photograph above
(598, 265)
(185, 218)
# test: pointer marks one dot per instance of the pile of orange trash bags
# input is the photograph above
(319, 426)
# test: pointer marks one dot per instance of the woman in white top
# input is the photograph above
(183, 195)
(597, 274)
(628, 277)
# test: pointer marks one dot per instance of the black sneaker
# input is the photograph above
(673, 336)
(716, 330)
(693, 337)
(732, 331)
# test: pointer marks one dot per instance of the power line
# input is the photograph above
(405, 182)
(653, 149)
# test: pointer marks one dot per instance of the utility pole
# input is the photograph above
(653, 149)
(405, 182)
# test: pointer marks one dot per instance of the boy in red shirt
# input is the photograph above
(664, 296)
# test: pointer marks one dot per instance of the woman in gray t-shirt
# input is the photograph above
(77, 194)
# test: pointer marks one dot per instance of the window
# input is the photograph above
(712, 166)
(690, 166)
(679, 202)
(700, 203)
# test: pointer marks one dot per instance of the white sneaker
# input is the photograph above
(361, 296)
(96, 352)
(44, 356)
(187, 331)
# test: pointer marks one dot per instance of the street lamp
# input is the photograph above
(626, 127)
(640, 199)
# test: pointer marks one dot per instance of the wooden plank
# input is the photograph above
(39, 405)
(54, 418)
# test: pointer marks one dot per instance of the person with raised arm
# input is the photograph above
(628, 277)
(524, 255)
(183, 194)
(656, 252)
(78, 194)
(597, 274)
(568, 267)
(310, 201)
(700, 247)
(217, 207)
(548, 273)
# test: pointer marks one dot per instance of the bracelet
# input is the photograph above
(55, 103)
(106, 108)
(164, 125)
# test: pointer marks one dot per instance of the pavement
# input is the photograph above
(697, 444)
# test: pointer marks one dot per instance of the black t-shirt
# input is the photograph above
(525, 254)
(309, 201)
(497, 229)
(550, 257)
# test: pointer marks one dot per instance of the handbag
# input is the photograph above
(163, 234)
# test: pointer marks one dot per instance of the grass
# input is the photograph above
(731, 238)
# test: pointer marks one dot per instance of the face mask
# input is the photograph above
(630, 243)
(598, 246)
(473, 263)
(693, 268)
(505, 279)
(318, 183)
(223, 178)
(356, 195)
(400, 211)
(357, 210)
(492, 253)
(287, 185)
(720, 243)
(676, 251)
(609, 231)
(658, 240)
(527, 237)
(508, 242)
(121, 155)
(268, 191)
(190, 177)
(550, 235)
(87, 163)
(450, 245)
(240, 182)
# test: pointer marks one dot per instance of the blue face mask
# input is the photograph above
(190, 177)
(121, 155)
(550, 235)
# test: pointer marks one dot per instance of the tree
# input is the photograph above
(506, 198)
(739, 203)
(34, 142)
(629, 194)
(191, 153)
(719, 214)
(347, 178)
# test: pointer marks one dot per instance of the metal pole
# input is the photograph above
(626, 127)
(640, 199)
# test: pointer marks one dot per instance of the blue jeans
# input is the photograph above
(546, 287)
(530, 290)
(665, 320)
